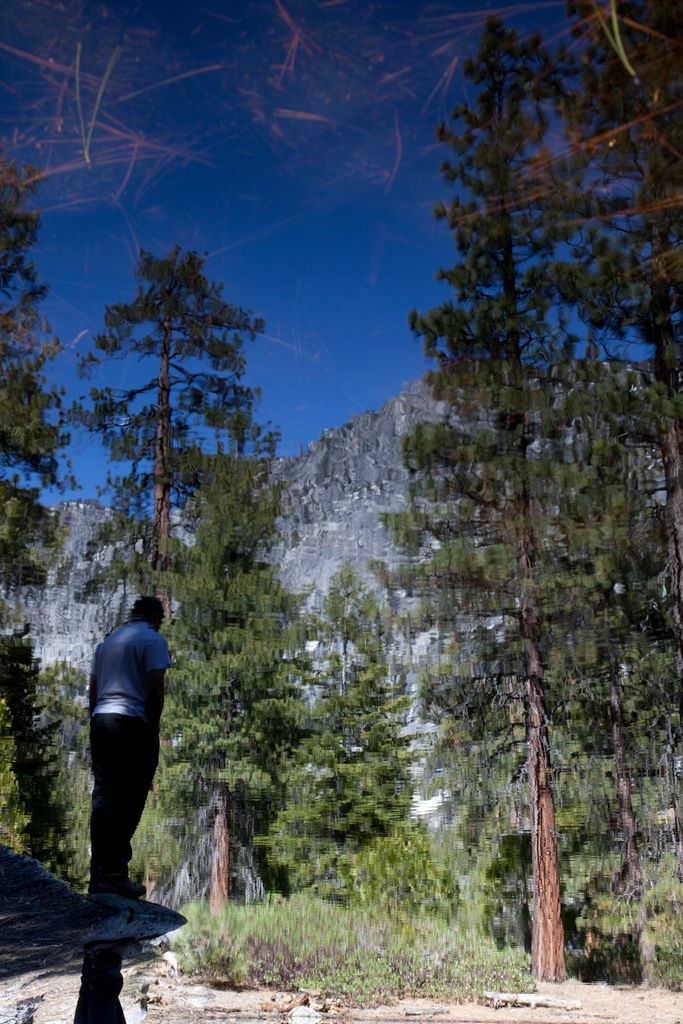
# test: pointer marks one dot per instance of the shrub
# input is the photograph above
(400, 875)
(664, 907)
(612, 927)
(208, 945)
(360, 958)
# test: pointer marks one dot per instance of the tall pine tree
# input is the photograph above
(156, 425)
(235, 709)
(31, 437)
(611, 538)
(626, 277)
(30, 433)
(495, 344)
(349, 781)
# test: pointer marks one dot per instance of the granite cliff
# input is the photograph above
(336, 492)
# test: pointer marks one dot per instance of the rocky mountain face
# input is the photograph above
(336, 493)
(65, 624)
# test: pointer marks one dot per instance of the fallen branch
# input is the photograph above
(498, 999)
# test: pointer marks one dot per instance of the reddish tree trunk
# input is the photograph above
(547, 930)
(547, 935)
(220, 860)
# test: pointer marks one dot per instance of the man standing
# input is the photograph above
(126, 701)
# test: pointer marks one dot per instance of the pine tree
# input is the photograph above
(627, 273)
(30, 435)
(13, 817)
(486, 479)
(59, 703)
(349, 782)
(37, 755)
(610, 570)
(234, 708)
(157, 427)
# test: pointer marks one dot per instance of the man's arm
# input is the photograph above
(92, 693)
(155, 697)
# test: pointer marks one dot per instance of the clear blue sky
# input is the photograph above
(290, 140)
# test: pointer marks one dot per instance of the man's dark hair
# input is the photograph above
(148, 608)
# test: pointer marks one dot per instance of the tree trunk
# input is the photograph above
(547, 937)
(632, 871)
(220, 861)
(162, 471)
(678, 829)
(547, 931)
(672, 781)
(667, 369)
(671, 444)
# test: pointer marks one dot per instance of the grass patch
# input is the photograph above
(364, 960)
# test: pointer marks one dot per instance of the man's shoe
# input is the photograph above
(117, 887)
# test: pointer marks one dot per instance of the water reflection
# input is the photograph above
(119, 935)
(101, 984)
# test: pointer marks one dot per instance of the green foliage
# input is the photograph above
(532, 503)
(349, 781)
(625, 279)
(30, 436)
(62, 705)
(505, 888)
(609, 922)
(607, 931)
(626, 267)
(502, 308)
(193, 340)
(489, 477)
(401, 875)
(553, 458)
(160, 842)
(62, 700)
(214, 944)
(624, 273)
(304, 942)
(664, 906)
(174, 305)
(234, 708)
(38, 762)
(186, 440)
(13, 819)
(19, 285)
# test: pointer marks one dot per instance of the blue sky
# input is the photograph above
(292, 142)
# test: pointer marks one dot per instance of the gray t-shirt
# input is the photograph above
(121, 664)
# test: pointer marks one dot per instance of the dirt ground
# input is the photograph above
(173, 999)
(600, 1004)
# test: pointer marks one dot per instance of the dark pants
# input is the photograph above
(101, 984)
(125, 753)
